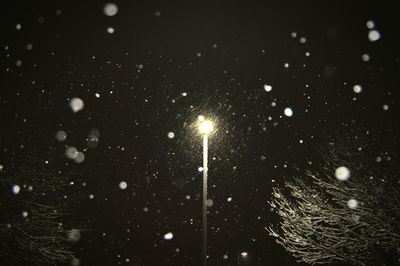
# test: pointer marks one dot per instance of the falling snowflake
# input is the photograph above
(352, 204)
(171, 135)
(168, 236)
(267, 87)
(71, 152)
(80, 157)
(16, 189)
(209, 202)
(288, 112)
(374, 35)
(365, 57)
(110, 9)
(123, 185)
(61, 135)
(370, 24)
(357, 88)
(110, 30)
(342, 173)
(76, 104)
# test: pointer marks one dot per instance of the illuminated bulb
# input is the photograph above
(206, 126)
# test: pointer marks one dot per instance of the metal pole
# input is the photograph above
(205, 172)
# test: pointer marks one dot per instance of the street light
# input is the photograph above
(206, 127)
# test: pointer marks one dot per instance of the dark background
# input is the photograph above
(142, 70)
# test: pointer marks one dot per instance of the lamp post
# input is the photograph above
(205, 128)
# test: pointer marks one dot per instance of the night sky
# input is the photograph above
(276, 77)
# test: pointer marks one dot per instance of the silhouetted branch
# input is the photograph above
(32, 230)
(325, 220)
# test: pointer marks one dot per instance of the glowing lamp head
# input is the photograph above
(206, 127)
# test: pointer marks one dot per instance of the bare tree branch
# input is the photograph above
(324, 220)
(32, 228)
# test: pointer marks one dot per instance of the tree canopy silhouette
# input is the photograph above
(330, 216)
(33, 207)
